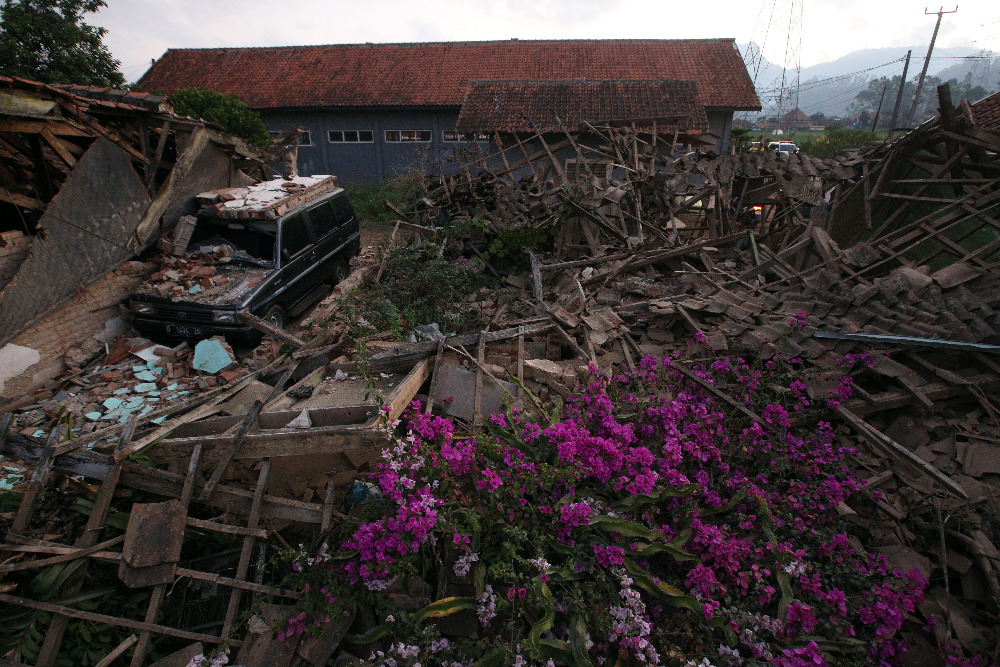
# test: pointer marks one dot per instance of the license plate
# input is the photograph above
(178, 330)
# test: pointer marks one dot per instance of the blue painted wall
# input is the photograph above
(380, 160)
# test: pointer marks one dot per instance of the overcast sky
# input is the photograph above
(139, 30)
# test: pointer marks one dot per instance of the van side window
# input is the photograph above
(294, 236)
(322, 219)
(341, 209)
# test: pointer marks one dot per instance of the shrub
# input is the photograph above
(648, 523)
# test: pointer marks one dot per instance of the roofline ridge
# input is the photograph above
(581, 80)
(514, 40)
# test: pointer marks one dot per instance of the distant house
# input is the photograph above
(794, 119)
(373, 110)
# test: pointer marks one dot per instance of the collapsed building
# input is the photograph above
(90, 178)
(892, 250)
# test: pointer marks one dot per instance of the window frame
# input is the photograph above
(463, 137)
(345, 140)
(401, 136)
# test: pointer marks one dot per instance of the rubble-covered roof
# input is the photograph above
(526, 106)
(986, 112)
(437, 73)
(268, 199)
(132, 98)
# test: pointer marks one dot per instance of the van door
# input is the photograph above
(296, 254)
(332, 222)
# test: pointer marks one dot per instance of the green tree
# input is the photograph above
(226, 110)
(867, 100)
(738, 137)
(47, 40)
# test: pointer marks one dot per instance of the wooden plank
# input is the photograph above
(20, 126)
(899, 451)
(271, 330)
(95, 523)
(59, 147)
(121, 648)
(73, 554)
(236, 583)
(480, 363)
(408, 388)
(434, 376)
(226, 528)
(69, 612)
(248, 545)
(159, 591)
(38, 479)
(230, 451)
(536, 278)
(22, 200)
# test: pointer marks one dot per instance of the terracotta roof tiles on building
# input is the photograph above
(437, 74)
(986, 112)
(524, 106)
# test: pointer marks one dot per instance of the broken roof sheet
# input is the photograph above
(438, 73)
(268, 199)
(526, 106)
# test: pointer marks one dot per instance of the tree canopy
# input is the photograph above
(48, 41)
(867, 100)
(226, 110)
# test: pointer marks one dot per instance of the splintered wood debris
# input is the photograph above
(882, 266)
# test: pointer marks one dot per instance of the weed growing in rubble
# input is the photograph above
(648, 523)
(419, 286)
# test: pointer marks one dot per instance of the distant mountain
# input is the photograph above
(852, 72)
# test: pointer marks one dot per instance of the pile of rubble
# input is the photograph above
(748, 255)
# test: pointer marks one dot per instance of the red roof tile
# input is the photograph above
(986, 112)
(523, 106)
(436, 74)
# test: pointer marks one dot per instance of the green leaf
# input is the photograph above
(374, 634)
(556, 650)
(539, 628)
(673, 596)
(847, 645)
(445, 607)
(632, 502)
(494, 659)
(733, 502)
(577, 643)
(786, 593)
(625, 527)
(678, 554)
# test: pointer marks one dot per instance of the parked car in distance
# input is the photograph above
(756, 147)
(780, 147)
(271, 250)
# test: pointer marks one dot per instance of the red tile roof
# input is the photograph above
(524, 106)
(436, 74)
(986, 112)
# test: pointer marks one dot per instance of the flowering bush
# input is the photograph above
(646, 523)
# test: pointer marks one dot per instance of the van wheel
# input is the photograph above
(275, 316)
(340, 272)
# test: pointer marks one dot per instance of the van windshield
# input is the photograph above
(252, 239)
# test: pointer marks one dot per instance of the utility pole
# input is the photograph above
(927, 61)
(899, 95)
(879, 110)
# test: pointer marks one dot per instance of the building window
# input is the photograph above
(351, 136)
(452, 135)
(397, 136)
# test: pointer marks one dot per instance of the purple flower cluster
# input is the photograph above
(670, 514)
